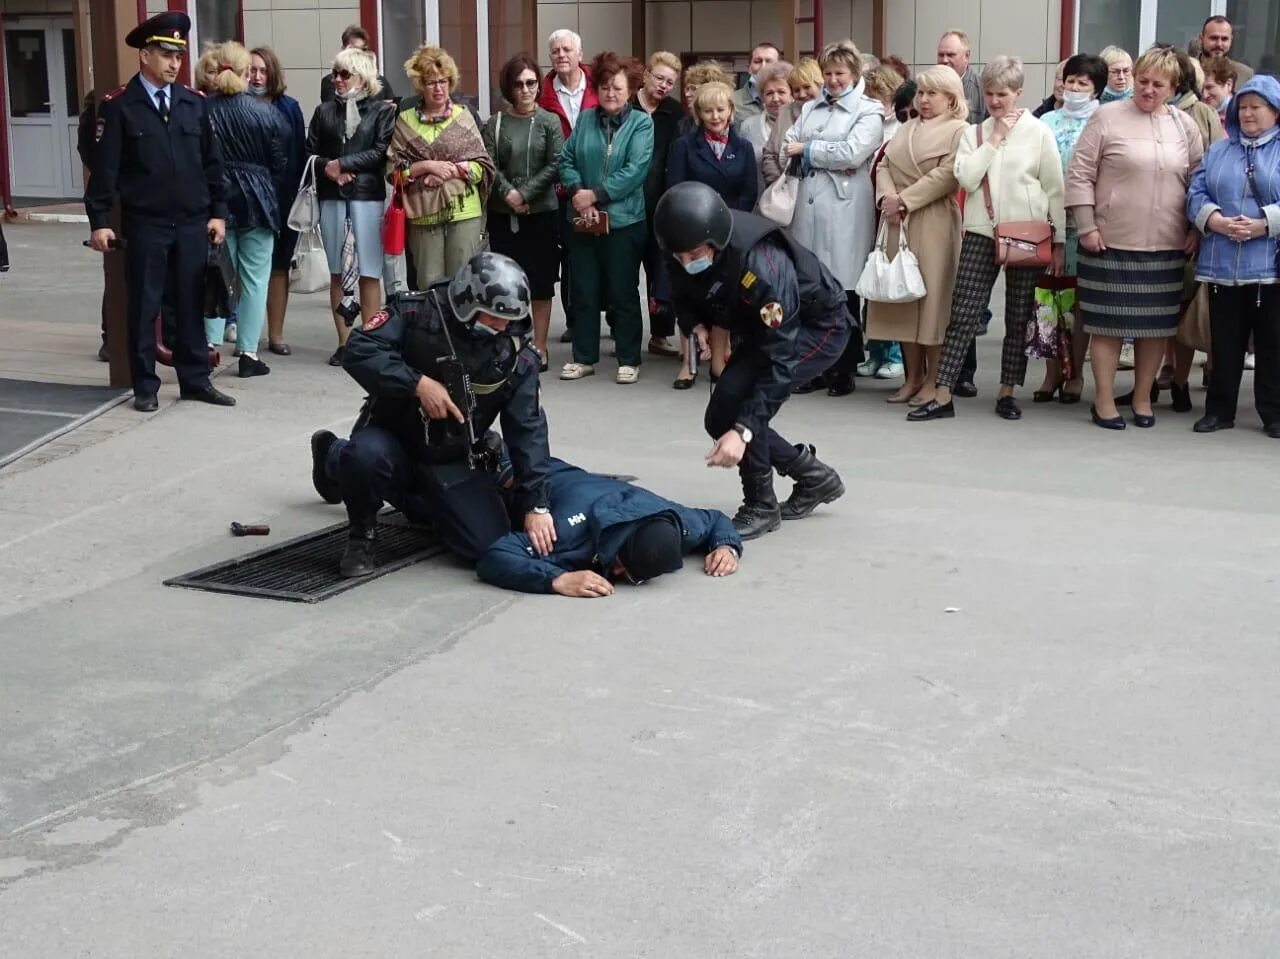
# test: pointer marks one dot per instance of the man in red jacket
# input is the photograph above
(566, 92)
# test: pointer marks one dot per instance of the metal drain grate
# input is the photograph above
(305, 569)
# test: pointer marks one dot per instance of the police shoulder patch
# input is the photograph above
(771, 314)
(748, 280)
(377, 320)
(112, 94)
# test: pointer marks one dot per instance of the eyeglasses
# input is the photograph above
(1120, 71)
(341, 74)
(662, 81)
(438, 82)
(527, 84)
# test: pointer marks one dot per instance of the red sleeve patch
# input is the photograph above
(376, 320)
(771, 315)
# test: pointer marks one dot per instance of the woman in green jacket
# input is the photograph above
(603, 168)
(525, 142)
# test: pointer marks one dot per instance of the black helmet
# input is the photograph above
(689, 215)
(490, 283)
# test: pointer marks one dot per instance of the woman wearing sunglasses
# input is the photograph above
(349, 137)
(524, 141)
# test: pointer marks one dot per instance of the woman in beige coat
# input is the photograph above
(916, 180)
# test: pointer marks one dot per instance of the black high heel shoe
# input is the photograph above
(1144, 420)
(1045, 396)
(1115, 423)
(1181, 396)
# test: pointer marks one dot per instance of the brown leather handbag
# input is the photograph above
(1020, 244)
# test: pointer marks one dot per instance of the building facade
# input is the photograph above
(45, 67)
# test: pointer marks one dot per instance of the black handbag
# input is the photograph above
(221, 282)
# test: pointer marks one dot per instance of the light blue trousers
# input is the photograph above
(251, 253)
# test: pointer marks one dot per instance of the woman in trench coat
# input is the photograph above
(916, 180)
(836, 137)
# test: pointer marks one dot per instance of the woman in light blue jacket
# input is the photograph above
(1234, 200)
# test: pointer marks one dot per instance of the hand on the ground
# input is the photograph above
(728, 451)
(1058, 265)
(1092, 241)
(435, 400)
(721, 562)
(541, 530)
(217, 231)
(101, 240)
(585, 584)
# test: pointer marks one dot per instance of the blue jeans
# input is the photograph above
(883, 352)
(251, 253)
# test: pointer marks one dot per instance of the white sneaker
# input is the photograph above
(627, 375)
(1249, 361)
(867, 368)
(890, 371)
(230, 335)
(576, 371)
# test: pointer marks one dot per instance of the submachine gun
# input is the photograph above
(481, 453)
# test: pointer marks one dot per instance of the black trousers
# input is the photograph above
(166, 260)
(662, 321)
(1235, 312)
(853, 355)
(466, 508)
(818, 350)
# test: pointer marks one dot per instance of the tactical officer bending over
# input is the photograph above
(610, 531)
(440, 366)
(787, 321)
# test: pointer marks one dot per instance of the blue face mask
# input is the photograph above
(258, 91)
(700, 265)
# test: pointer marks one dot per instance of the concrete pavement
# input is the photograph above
(1014, 695)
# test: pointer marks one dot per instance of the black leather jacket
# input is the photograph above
(365, 154)
(252, 135)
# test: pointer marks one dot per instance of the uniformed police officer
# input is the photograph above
(156, 149)
(411, 445)
(788, 322)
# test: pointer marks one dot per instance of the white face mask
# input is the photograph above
(1076, 99)
(700, 265)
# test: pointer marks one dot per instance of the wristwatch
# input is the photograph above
(540, 510)
(745, 433)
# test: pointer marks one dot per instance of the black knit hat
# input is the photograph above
(654, 547)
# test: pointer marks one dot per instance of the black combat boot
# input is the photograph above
(328, 489)
(759, 513)
(362, 535)
(816, 483)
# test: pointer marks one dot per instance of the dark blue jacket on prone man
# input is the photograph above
(595, 515)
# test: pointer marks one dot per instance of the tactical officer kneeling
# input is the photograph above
(787, 322)
(440, 366)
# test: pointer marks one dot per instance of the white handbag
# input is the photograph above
(304, 215)
(309, 268)
(778, 201)
(891, 281)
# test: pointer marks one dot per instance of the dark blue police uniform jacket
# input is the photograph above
(594, 515)
(733, 176)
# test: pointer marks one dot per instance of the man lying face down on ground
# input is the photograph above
(607, 531)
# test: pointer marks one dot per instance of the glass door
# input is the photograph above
(40, 75)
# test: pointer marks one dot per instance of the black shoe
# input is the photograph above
(358, 558)
(146, 404)
(328, 488)
(816, 484)
(1143, 420)
(1272, 430)
(1045, 396)
(1115, 423)
(1181, 396)
(103, 355)
(815, 384)
(1211, 424)
(841, 384)
(338, 356)
(1126, 399)
(1007, 408)
(251, 367)
(759, 512)
(933, 410)
(566, 336)
(965, 390)
(684, 384)
(209, 395)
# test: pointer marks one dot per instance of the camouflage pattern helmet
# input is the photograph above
(490, 283)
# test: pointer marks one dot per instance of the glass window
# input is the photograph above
(27, 59)
(1256, 37)
(1179, 21)
(217, 21)
(1106, 22)
(404, 29)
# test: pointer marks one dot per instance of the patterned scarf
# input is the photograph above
(718, 142)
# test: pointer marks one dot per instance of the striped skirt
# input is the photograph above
(1135, 294)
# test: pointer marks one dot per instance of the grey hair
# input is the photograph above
(564, 34)
(773, 73)
(1003, 73)
(363, 64)
(1111, 54)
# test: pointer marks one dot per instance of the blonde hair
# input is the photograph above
(845, 54)
(664, 58)
(713, 94)
(222, 68)
(807, 73)
(360, 63)
(1112, 55)
(430, 62)
(941, 79)
(1160, 60)
(1003, 73)
(883, 83)
(706, 71)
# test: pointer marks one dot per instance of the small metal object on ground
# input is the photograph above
(250, 529)
(305, 568)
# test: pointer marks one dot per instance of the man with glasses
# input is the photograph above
(1215, 41)
(747, 100)
(609, 531)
